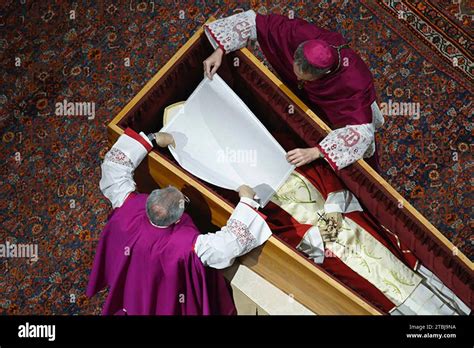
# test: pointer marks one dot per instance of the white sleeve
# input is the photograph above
(341, 202)
(119, 164)
(347, 145)
(244, 231)
(232, 33)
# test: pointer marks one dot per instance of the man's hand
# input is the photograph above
(164, 139)
(213, 62)
(299, 157)
(246, 191)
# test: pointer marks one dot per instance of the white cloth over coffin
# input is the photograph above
(219, 140)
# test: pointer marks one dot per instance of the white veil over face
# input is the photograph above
(219, 140)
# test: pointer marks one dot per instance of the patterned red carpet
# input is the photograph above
(419, 52)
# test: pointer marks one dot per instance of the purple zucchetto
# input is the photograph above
(320, 54)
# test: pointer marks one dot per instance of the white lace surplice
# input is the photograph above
(219, 140)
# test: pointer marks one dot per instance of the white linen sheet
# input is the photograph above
(219, 140)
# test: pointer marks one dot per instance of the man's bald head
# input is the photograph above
(165, 206)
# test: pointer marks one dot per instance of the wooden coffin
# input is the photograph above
(275, 261)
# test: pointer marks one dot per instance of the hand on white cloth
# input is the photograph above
(213, 62)
(164, 139)
(299, 157)
(246, 191)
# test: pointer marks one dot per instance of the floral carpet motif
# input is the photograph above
(104, 52)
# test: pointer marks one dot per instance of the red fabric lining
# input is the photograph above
(322, 177)
(131, 133)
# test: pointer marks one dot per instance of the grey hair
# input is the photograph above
(165, 206)
(304, 65)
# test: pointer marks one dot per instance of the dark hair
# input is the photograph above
(304, 65)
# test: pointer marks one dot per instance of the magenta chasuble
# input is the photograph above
(152, 271)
